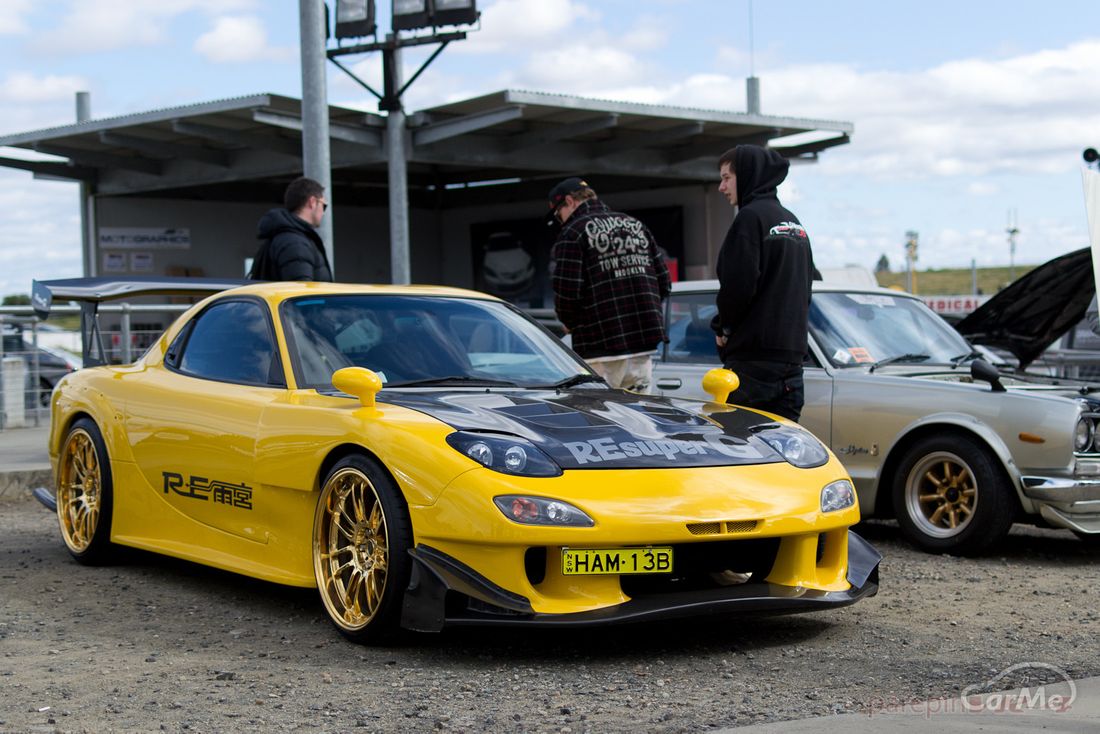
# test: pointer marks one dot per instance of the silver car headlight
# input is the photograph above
(797, 446)
(1083, 435)
(837, 495)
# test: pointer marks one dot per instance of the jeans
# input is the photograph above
(776, 387)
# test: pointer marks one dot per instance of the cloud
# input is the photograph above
(235, 39)
(104, 25)
(11, 20)
(517, 25)
(41, 236)
(21, 87)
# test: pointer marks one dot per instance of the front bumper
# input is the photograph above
(437, 576)
(1066, 503)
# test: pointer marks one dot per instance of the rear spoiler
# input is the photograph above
(90, 292)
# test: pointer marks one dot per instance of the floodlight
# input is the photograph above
(354, 18)
(409, 14)
(454, 12)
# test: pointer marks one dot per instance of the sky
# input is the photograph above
(968, 116)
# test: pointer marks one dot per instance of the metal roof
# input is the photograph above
(248, 147)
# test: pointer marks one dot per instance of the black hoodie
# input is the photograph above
(292, 249)
(765, 267)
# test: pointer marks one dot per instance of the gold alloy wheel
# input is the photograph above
(351, 549)
(79, 491)
(941, 494)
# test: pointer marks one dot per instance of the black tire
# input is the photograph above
(85, 494)
(361, 540)
(951, 495)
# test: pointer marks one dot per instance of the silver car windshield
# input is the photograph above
(421, 340)
(861, 329)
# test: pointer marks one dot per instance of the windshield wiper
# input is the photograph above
(576, 380)
(956, 361)
(456, 380)
(900, 358)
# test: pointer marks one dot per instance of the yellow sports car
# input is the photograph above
(428, 457)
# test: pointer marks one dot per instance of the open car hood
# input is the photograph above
(1032, 312)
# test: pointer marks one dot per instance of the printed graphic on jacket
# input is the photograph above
(620, 244)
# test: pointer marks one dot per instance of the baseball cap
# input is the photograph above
(559, 192)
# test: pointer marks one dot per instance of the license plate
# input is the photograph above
(606, 561)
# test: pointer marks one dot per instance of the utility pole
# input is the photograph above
(911, 238)
(316, 161)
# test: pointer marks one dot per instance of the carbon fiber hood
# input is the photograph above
(599, 428)
(1031, 313)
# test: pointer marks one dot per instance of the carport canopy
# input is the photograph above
(248, 148)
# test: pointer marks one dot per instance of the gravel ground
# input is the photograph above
(156, 644)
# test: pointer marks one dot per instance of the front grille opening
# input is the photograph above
(534, 563)
(820, 547)
(722, 527)
(705, 565)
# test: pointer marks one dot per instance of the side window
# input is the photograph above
(232, 342)
(690, 338)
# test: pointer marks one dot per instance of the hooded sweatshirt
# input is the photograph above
(292, 249)
(765, 267)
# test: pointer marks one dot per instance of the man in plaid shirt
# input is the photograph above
(609, 279)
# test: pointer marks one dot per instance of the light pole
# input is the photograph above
(355, 19)
(911, 238)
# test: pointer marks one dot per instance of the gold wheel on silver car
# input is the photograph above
(952, 494)
(351, 549)
(942, 494)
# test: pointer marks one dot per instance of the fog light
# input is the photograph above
(837, 495)
(542, 511)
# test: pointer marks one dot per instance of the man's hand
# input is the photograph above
(720, 340)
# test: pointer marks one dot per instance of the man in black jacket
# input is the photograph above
(608, 279)
(292, 249)
(765, 271)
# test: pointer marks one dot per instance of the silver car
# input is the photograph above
(953, 449)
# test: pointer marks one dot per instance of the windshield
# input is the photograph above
(856, 329)
(420, 339)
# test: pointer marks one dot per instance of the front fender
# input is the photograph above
(965, 422)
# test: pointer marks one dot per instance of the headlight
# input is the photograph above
(542, 511)
(505, 454)
(1082, 437)
(798, 447)
(837, 496)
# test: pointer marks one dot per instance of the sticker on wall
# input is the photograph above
(141, 262)
(145, 238)
(114, 262)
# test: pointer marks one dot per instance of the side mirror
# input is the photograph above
(358, 381)
(985, 372)
(719, 383)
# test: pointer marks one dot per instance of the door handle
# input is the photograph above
(669, 383)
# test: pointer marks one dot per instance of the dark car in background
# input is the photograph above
(45, 366)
